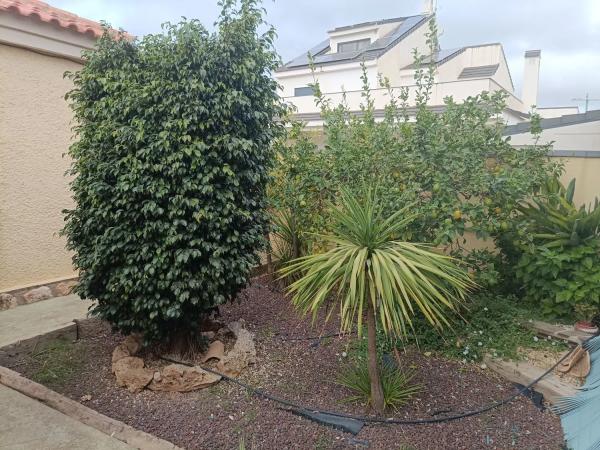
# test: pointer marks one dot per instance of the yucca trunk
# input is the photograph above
(376, 389)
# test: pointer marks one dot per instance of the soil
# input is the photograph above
(304, 371)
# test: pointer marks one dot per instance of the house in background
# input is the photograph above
(575, 142)
(38, 43)
(386, 47)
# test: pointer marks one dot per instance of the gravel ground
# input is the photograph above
(221, 416)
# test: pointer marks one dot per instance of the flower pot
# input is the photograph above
(586, 327)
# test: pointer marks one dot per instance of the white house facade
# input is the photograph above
(386, 47)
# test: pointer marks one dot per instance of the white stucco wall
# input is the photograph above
(578, 137)
(582, 137)
(400, 56)
(34, 134)
(549, 113)
(355, 35)
(332, 79)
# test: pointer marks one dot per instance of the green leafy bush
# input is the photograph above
(461, 175)
(170, 167)
(492, 324)
(397, 384)
(558, 248)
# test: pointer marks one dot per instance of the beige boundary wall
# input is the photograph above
(587, 173)
(34, 135)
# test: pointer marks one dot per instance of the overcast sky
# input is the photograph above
(567, 31)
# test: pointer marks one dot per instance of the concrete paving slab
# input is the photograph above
(26, 424)
(40, 318)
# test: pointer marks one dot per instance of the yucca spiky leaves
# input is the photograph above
(366, 263)
(555, 221)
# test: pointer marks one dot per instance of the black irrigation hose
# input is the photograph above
(312, 338)
(376, 420)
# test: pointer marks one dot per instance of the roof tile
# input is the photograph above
(50, 14)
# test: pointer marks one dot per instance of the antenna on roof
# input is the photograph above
(587, 101)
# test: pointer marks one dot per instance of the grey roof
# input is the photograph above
(377, 113)
(555, 122)
(368, 24)
(478, 71)
(439, 57)
(406, 25)
(533, 53)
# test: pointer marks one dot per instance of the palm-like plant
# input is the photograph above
(378, 277)
(553, 219)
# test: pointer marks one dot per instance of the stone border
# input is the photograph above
(36, 293)
(111, 427)
(61, 288)
(551, 387)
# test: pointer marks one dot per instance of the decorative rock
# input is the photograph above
(37, 294)
(64, 288)
(131, 374)
(133, 343)
(119, 353)
(129, 347)
(7, 301)
(179, 378)
(241, 356)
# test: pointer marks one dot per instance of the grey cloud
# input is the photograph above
(567, 32)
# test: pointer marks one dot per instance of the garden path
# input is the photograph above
(41, 318)
(30, 425)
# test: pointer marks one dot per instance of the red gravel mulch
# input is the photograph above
(219, 417)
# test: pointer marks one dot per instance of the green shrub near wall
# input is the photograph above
(556, 247)
(171, 164)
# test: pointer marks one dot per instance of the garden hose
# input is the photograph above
(375, 420)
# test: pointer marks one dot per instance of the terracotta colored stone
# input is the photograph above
(216, 350)
(241, 356)
(129, 347)
(133, 343)
(64, 288)
(179, 378)
(37, 294)
(119, 353)
(7, 301)
(131, 374)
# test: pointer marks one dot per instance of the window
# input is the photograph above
(353, 46)
(304, 91)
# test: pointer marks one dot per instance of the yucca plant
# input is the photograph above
(288, 243)
(377, 278)
(396, 384)
(553, 220)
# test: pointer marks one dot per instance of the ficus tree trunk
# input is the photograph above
(376, 388)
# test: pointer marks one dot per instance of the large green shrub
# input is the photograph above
(170, 169)
(557, 248)
(454, 166)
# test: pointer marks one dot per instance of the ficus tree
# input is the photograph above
(376, 278)
(170, 166)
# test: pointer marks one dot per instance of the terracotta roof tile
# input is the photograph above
(50, 14)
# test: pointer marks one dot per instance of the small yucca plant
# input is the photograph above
(377, 278)
(396, 384)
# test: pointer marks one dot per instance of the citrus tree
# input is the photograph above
(461, 174)
(377, 278)
(170, 165)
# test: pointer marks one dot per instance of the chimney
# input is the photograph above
(429, 7)
(531, 78)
